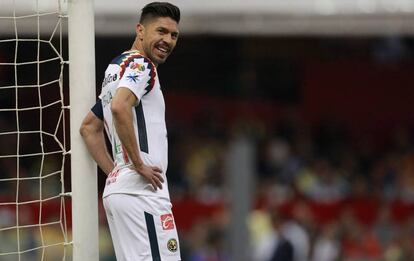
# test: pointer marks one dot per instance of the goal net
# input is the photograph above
(33, 131)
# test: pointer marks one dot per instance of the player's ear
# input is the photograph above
(140, 30)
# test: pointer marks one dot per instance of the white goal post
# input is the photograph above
(34, 149)
(81, 36)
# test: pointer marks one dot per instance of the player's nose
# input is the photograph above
(168, 39)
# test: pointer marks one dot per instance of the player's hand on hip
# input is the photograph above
(152, 174)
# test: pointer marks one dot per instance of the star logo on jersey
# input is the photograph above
(172, 245)
(137, 67)
(167, 222)
(132, 77)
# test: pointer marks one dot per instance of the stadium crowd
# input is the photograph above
(332, 196)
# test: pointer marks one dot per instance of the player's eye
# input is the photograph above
(162, 31)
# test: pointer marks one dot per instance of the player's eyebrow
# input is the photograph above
(165, 30)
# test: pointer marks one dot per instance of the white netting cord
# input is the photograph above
(33, 223)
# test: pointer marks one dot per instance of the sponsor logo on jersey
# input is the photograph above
(172, 245)
(112, 177)
(118, 148)
(132, 77)
(167, 221)
(137, 67)
(109, 78)
(106, 99)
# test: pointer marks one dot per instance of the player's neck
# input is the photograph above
(137, 47)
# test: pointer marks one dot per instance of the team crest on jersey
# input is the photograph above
(137, 67)
(172, 245)
(132, 77)
(167, 222)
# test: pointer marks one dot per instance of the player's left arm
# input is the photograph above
(121, 108)
(92, 132)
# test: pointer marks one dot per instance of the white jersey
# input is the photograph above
(133, 71)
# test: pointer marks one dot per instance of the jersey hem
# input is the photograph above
(135, 194)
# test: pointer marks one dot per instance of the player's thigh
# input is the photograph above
(129, 223)
(160, 217)
(113, 229)
(146, 227)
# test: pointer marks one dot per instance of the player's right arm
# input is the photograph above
(92, 132)
(121, 107)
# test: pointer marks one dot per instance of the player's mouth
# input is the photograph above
(162, 50)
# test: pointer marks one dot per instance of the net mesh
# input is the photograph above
(33, 149)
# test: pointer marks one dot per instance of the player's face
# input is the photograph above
(159, 37)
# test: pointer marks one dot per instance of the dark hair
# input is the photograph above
(160, 9)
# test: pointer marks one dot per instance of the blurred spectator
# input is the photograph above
(294, 231)
(384, 228)
(323, 182)
(327, 245)
(358, 243)
(206, 243)
(274, 245)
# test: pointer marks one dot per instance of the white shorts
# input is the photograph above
(142, 228)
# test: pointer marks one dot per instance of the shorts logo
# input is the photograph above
(172, 245)
(167, 221)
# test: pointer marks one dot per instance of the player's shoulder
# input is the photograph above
(130, 56)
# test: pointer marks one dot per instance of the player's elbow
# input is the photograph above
(84, 130)
(117, 108)
(90, 126)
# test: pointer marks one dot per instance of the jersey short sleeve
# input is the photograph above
(138, 76)
(97, 110)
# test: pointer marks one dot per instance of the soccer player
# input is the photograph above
(131, 111)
